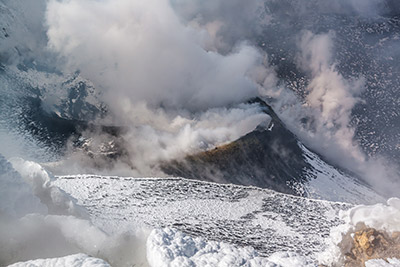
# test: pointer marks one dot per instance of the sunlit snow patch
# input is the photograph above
(77, 260)
(168, 247)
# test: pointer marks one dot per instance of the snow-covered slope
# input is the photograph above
(329, 183)
(169, 222)
(199, 209)
(247, 216)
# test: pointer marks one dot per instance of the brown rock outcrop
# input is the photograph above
(370, 243)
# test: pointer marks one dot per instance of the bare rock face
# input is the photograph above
(368, 244)
(268, 157)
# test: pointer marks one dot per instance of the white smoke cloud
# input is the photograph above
(55, 200)
(328, 93)
(140, 51)
(155, 136)
(332, 98)
(185, 135)
(162, 65)
(226, 23)
(39, 220)
(157, 76)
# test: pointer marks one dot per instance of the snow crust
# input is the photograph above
(77, 260)
(49, 228)
(43, 233)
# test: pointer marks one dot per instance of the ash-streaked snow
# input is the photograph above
(247, 216)
(328, 183)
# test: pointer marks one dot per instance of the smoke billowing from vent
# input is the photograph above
(142, 52)
(325, 112)
(168, 69)
(158, 76)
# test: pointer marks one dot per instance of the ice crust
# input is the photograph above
(246, 216)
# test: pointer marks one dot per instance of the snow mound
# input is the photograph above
(379, 216)
(393, 262)
(77, 260)
(169, 247)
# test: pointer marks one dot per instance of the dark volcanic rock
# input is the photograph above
(267, 157)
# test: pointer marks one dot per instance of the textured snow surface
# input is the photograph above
(263, 219)
(78, 260)
(27, 234)
(168, 247)
(194, 223)
(328, 183)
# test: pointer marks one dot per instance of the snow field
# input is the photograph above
(60, 240)
(40, 220)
